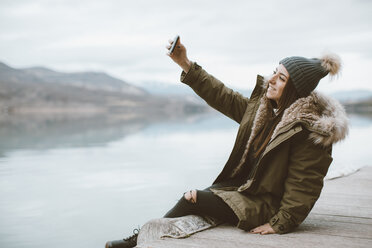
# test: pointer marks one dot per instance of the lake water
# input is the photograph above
(82, 188)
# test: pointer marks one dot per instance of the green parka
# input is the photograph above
(289, 175)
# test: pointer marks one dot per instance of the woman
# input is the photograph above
(282, 151)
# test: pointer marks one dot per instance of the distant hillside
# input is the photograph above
(351, 96)
(87, 80)
(41, 90)
(360, 107)
(358, 101)
(178, 88)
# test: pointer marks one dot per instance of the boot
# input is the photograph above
(129, 242)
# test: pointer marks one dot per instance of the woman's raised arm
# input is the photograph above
(213, 91)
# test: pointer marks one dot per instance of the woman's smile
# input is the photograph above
(271, 88)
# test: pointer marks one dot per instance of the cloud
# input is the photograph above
(127, 38)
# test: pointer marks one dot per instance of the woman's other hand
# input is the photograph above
(179, 55)
(264, 229)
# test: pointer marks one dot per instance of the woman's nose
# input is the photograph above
(273, 79)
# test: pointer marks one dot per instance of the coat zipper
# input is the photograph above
(253, 178)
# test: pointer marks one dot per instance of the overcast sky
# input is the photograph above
(233, 40)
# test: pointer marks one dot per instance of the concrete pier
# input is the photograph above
(342, 217)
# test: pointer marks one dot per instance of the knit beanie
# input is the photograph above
(306, 73)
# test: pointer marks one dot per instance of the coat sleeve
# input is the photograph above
(308, 165)
(215, 93)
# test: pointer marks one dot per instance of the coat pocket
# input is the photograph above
(251, 210)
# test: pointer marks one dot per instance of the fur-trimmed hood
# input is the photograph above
(322, 115)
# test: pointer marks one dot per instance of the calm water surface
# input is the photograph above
(80, 189)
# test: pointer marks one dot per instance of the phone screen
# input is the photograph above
(174, 44)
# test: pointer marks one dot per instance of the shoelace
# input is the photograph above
(134, 236)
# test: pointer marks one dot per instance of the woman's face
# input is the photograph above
(277, 83)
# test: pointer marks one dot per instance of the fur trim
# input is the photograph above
(332, 63)
(323, 116)
(259, 120)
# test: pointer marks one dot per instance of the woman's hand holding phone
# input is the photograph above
(177, 52)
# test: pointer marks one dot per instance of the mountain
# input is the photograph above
(178, 88)
(350, 96)
(87, 80)
(160, 88)
(42, 90)
(362, 107)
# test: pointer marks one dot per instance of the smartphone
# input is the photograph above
(174, 44)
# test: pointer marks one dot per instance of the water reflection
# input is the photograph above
(27, 132)
(58, 131)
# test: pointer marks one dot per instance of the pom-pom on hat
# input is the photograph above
(306, 73)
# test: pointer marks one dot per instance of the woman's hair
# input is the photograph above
(288, 97)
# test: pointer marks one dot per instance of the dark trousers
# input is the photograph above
(207, 203)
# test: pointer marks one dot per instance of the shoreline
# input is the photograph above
(343, 172)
